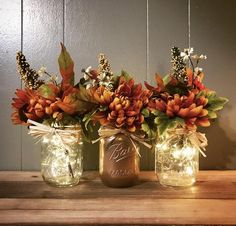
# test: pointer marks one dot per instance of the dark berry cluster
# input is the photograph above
(179, 66)
(29, 76)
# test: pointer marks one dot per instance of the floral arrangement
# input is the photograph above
(121, 101)
(46, 101)
(181, 99)
(168, 114)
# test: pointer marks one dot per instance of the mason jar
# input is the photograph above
(176, 160)
(119, 161)
(61, 156)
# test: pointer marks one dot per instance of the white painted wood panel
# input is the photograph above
(42, 34)
(10, 43)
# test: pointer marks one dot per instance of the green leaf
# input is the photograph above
(164, 122)
(209, 95)
(179, 121)
(177, 89)
(145, 112)
(212, 114)
(201, 93)
(145, 127)
(156, 120)
(87, 118)
(155, 112)
(162, 127)
(216, 103)
(166, 79)
(48, 91)
(125, 75)
(66, 66)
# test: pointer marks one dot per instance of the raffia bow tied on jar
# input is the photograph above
(61, 156)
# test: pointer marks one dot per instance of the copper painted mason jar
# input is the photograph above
(119, 161)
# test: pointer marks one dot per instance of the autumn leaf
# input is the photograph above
(190, 76)
(66, 66)
(160, 85)
(79, 101)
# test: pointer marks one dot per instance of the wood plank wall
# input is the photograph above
(137, 36)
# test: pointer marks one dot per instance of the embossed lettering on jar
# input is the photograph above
(119, 161)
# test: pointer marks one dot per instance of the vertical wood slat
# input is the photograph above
(116, 28)
(10, 43)
(168, 27)
(42, 34)
(213, 33)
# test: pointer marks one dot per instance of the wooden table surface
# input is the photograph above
(26, 199)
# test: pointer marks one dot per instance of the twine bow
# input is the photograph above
(38, 130)
(110, 131)
(198, 139)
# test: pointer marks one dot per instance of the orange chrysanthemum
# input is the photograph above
(124, 105)
(29, 105)
(189, 107)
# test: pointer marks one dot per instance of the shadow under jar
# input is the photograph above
(177, 160)
(61, 156)
(119, 161)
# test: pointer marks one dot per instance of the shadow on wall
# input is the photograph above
(221, 149)
(91, 156)
(91, 152)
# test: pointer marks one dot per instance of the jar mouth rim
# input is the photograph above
(69, 126)
(76, 126)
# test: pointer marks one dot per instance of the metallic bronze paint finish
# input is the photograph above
(119, 161)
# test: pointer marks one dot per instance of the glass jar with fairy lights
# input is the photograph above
(179, 105)
(54, 112)
(61, 156)
(177, 158)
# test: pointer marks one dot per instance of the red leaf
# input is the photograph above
(66, 66)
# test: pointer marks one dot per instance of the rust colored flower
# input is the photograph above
(123, 106)
(30, 105)
(126, 112)
(103, 96)
(189, 107)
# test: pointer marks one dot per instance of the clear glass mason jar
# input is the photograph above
(119, 161)
(61, 156)
(176, 160)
